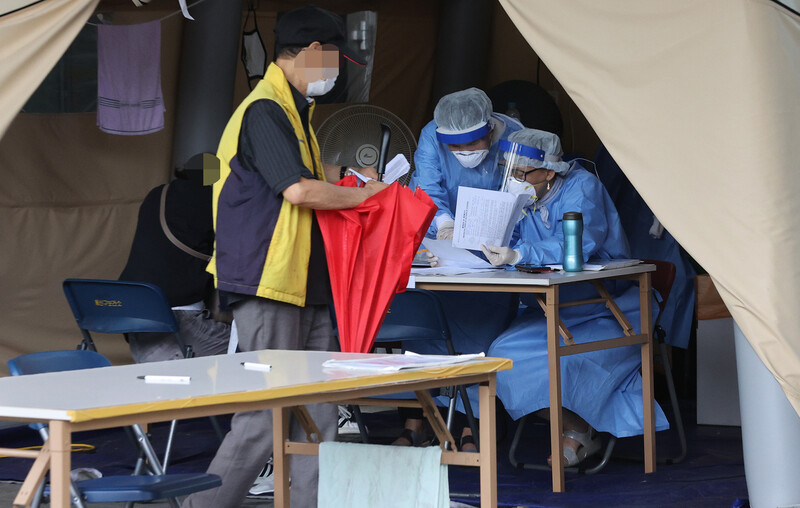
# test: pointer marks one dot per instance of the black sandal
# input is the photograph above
(465, 440)
(409, 435)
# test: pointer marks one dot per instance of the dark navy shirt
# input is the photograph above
(156, 260)
(269, 145)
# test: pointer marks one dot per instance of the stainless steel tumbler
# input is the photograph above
(572, 225)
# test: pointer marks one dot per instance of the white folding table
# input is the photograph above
(546, 287)
(74, 401)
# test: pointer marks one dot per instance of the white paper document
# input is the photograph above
(485, 217)
(604, 264)
(445, 270)
(454, 257)
(394, 363)
(394, 170)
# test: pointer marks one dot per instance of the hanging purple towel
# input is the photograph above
(129, 99)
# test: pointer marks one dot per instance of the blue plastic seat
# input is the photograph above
(136, 488)
(140, 489)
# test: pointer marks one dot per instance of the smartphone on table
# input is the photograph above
(532, 268)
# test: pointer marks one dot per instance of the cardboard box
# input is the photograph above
(717, 381)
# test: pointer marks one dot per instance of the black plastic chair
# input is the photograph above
(123, 307)
(661, 282)
(109, 489)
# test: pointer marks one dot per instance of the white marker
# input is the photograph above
(166, 380)
(264, 367)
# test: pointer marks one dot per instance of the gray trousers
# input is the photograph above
(197, 329)
(267, 324)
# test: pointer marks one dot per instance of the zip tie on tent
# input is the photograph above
(76, 448)
(197, 2)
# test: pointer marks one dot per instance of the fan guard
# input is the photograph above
(352, 137)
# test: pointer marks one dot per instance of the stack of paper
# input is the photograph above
(394, 363)
(604, 264)
(486, 217)
(453, 257)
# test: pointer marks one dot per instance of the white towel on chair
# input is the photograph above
(362, 475)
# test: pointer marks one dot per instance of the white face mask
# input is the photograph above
(320, 87)
(470, 159)
(514, 186)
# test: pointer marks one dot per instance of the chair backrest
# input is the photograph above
(662, 279)
(415, 314)
(112, 306)
(56, 361)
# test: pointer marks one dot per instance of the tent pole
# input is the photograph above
(462, 48)
(207, 75)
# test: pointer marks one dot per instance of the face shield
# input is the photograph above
(517, 161)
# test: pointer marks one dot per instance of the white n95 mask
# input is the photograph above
(470, 159)
(514, 186)
(320, 87)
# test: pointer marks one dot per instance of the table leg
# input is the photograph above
(60, 448)
(488, 440)
(35, 477)
(280, 460)
(430, 411)
(554, 369)
(648, 404)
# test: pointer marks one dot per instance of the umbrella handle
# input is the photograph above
(385, 137)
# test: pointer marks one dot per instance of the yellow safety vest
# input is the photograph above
(244, 261)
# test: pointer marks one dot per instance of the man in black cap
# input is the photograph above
(269, 257)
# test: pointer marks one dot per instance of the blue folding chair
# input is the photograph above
(417, 315)
(110, 489)
(114, 306)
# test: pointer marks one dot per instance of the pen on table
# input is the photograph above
(264, 367)
(421, 251)
(166, 380)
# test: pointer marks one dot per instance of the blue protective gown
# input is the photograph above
(603, 387)
(439, 174)
(637, 218)
(475, 319)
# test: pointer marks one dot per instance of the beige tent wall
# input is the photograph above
(32, 39)
(68, 207)
(697, 102)
(511, 57)
(71, 193)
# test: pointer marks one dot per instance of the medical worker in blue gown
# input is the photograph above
(601, 390)
(459, 148)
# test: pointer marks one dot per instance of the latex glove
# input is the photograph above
(446, 230)
(433, 260)
(501, 255)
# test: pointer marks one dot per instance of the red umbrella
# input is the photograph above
(369, 250)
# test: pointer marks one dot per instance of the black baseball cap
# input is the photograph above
(300, 27)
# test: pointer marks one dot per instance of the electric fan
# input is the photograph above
(352, 137)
